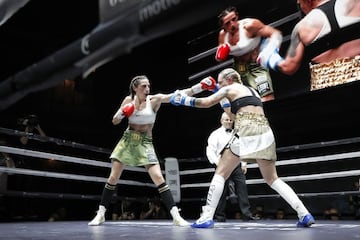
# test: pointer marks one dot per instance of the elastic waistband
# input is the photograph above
(245, 67)
(256, 117)
(339, 62)
(338, 71)
(134, 135)
(241, 68)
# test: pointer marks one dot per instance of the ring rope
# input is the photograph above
(63, 158)
(57, 141)
(182, 173)
(289, 179)
(332, 157)
(69, 176)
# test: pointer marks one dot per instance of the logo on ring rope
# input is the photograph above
(85, 44)
(113, 3)
(156, 8)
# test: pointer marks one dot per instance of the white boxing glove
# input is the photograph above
(269, 60)
(269, 56)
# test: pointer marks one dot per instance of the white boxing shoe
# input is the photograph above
(99, 218)
(177, 219)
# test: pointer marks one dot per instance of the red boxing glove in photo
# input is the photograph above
(222, 52)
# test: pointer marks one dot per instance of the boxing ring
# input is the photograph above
(321, 173)
(195, 175)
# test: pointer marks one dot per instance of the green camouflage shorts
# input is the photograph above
(256, 77)
(135, 149)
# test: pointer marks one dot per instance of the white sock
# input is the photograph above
(102, 209)
(287, 193)
(215, 191)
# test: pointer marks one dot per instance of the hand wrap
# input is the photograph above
(180, 98)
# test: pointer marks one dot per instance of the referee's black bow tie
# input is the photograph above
(228, 130)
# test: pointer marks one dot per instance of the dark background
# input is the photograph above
(80, 109)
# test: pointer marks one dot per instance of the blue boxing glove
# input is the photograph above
(180, 98)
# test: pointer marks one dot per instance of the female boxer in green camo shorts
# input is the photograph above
(135, 147)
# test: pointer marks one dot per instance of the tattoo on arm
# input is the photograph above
(222, 92)
(212, 99)
(218, 96)
(295, 40)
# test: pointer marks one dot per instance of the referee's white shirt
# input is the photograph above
(216, 142)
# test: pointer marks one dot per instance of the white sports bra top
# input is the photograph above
(245, 44)
(145, 116)
(340, 18)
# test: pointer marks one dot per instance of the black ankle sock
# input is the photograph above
(166, 196)
(107, 194)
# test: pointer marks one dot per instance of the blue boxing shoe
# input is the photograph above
(206, 219)
(306, 221)
(203, 224)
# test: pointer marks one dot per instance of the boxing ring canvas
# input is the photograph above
(163, 229)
